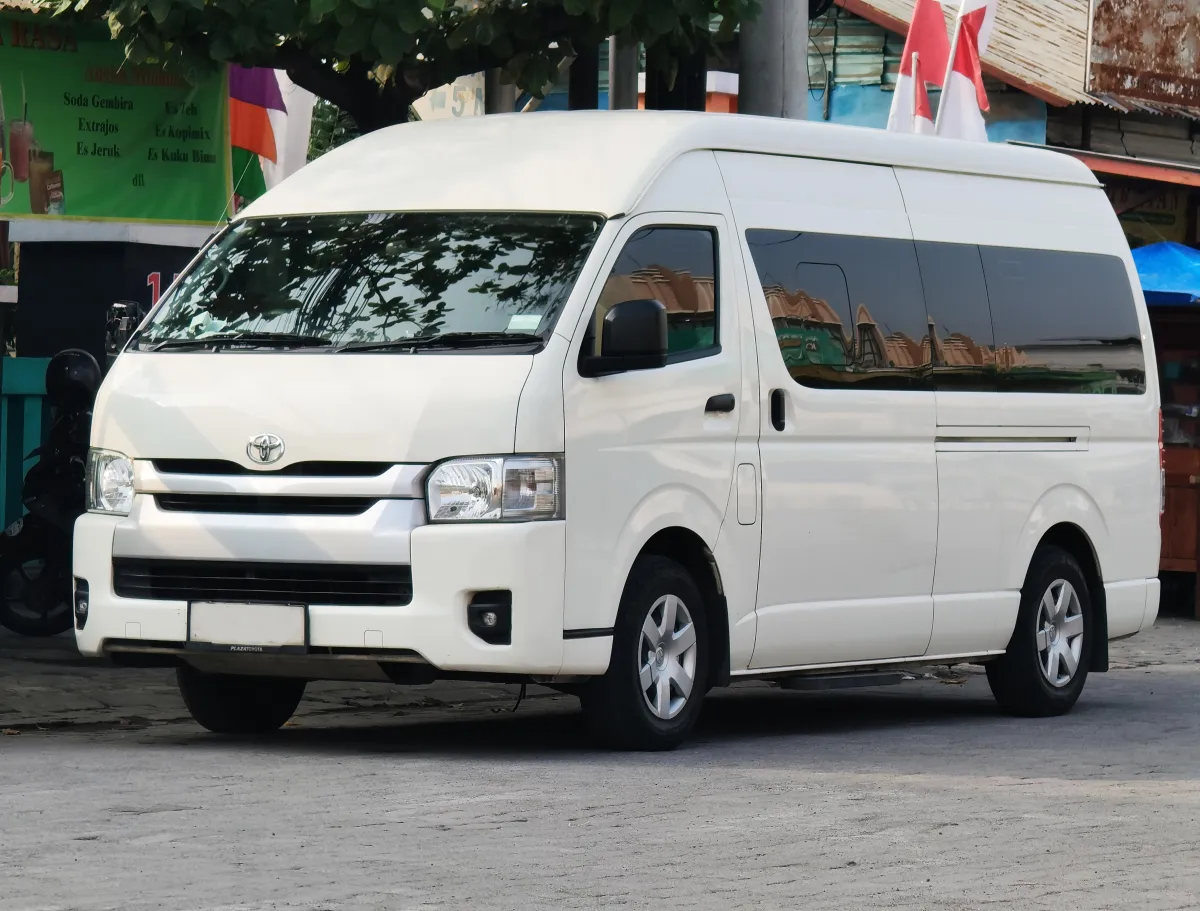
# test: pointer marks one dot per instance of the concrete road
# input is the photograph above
(920, 796)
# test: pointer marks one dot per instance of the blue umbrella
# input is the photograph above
(1170, 274)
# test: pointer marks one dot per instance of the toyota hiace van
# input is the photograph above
(634, 405)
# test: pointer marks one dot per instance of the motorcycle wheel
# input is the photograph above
(36, 595)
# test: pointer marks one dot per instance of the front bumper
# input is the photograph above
(449, 564)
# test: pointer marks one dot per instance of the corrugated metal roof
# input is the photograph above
(1039, 46)
(1148, 49)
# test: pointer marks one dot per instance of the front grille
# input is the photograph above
(275, 583)
(298, 469)
(243, 504)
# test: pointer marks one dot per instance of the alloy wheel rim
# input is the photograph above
(667, 657)
(1060, 633)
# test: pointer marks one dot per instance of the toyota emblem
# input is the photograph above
(265, 449)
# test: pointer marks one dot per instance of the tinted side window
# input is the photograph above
(677, 266)
(1064, 322)
(956, 299)
(848, 311)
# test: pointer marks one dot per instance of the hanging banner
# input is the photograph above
(86, 135)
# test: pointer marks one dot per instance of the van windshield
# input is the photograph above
(375, 281)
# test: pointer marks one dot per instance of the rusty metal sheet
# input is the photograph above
(1146, 50)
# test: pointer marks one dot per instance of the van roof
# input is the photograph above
(600, 162)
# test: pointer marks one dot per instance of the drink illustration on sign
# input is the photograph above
(25, 162)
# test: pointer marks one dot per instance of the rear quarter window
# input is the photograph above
(1063, 322)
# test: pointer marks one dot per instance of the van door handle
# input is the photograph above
(721, 403)
(778, 403)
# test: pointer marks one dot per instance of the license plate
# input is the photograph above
(247, 627)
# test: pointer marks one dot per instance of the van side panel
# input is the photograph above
(849, 486)
(1011, 465)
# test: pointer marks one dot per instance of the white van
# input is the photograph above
(634, 405)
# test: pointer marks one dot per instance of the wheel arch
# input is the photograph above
(689, 550)
(1075, 541)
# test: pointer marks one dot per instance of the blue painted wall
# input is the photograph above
(1014, 115)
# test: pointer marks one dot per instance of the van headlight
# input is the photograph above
(508, 489)
(109, 482)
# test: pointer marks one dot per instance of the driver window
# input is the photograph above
(677, 266)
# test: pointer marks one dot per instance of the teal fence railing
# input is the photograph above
(24, 421)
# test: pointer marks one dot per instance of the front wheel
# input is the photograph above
(1043, 671)
(238, 705)
(650, 697)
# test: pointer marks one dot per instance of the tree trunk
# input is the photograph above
(622, 75)
(371, 105)
(498, 97)
(686, 93)
(583, 85)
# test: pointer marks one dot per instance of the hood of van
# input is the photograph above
(379, 407)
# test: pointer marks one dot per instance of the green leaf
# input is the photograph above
(136, 50)
(319, 9)
(575, 7)
(245, 38)
(461, 36)
(353, 38)
(410, 18)
(221, 48)
(391, 43)
(620, 14)
(160, 9)
(485, 34)
(661, 18)
(437, 5)
(364, 4)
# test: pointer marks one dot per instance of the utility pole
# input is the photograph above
(622, 74)
(498, 97)
(774, 71)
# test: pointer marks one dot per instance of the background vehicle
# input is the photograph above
(650, 404)
(35, 550)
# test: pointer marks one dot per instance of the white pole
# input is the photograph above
(915, 93)
(950, 63)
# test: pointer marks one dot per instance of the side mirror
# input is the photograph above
(633, 336)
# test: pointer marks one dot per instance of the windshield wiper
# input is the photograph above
(446, 340)
(219, 340)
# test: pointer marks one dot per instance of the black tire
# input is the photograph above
(35, 594)
(615, 705)
(238, 705)
(1019, 680)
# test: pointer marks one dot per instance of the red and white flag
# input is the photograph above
(926, 53)
(960, 112)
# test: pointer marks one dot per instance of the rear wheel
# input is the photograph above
(1044, 669)
(238, 705)
(650, 697)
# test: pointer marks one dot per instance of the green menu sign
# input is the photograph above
(86, 135)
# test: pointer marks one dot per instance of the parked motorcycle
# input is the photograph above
(35, 550)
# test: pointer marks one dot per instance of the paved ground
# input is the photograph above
(920, 797)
